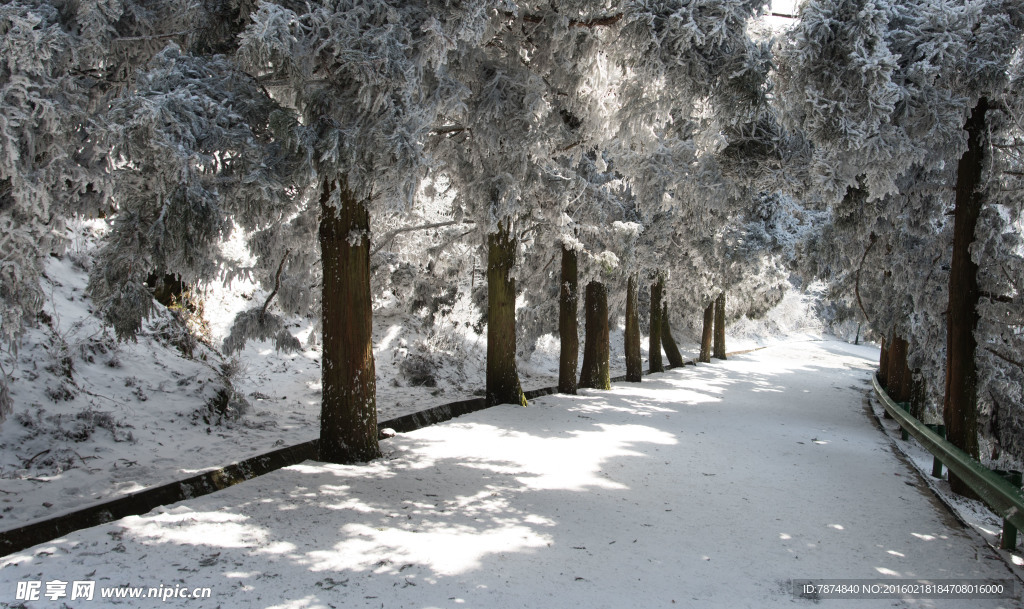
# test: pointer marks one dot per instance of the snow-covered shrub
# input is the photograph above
(226, 405)
(419, 370)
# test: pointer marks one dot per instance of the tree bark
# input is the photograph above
(961, 392)
(654, 344)
(634, 361)
(675, 358)
(568, 331)
(596, 351)
(887, 380)
(348, 414)
(720, 326)
(503, 385)
(897, 388)
(918, 395)
(707, 333)
(883, 364)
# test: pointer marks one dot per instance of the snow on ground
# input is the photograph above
(709, 486)
(96, 419)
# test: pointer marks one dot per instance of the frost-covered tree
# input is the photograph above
(42, 108)
(371, 82)
(198, 148)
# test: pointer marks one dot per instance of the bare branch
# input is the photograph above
(388, 236)
(589, 23)
(277, 284)
(443, 246)
(856, 286)
(451, 129)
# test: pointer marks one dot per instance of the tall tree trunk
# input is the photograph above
(654, 344)
(707, 333)
(596, 351)
(502, 375)
(883, 364)
(568, 331)
(961, 396)
(918, 395)
(887, 371)
(634, 362)
(720, 326)
(348, 412)
(675, 358)
(897, 388)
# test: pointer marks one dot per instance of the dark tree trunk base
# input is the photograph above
(675, 358)
(634, 361)
(503, 385)
(707, 333)
(720, 327)
(654, 343)
(596, 351)
(883, 365)
(348, 419)
(568, 331)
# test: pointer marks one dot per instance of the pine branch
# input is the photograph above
(153, 37)
(1005, 358)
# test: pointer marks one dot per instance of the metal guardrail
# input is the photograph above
(998, 493)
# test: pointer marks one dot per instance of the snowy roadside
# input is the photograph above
(708, 487)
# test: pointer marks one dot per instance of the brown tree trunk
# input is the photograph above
(897, 366)
(634, 361)
(502, 375)
(961, 395)
(887, 372)
(720, 326)
(568, 331)
(883, 364)
(707, 333)
(596, 350)
(906, 375)
(918, 395)
(348, 412)
(675, 358)
(654, 344)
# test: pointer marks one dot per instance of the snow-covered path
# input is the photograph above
(701, 487)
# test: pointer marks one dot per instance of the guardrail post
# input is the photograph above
(1008, 541)
(936, 464)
